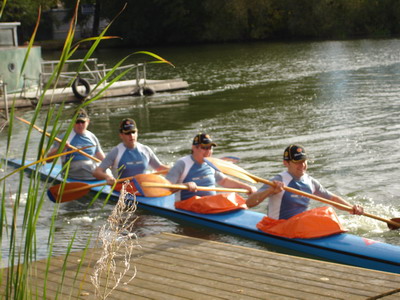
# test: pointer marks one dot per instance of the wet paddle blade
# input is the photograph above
(72, 191)
(151, 191)
(394, 226)
(232, 159)
(229, 168)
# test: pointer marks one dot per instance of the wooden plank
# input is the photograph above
(310, 282)
(176, 267)
(175, 281)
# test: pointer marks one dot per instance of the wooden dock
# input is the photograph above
(117, 89)
(178, 267)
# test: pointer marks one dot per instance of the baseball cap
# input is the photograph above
(203, 139)
(127, 125)
(82, 115)
(295, 153)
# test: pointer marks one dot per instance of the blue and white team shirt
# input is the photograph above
(285, 204)
(187, 169)
(80, 141)
(81, 167)
(126, 162)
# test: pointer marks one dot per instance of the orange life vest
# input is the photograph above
(213, 204)
(314, 223)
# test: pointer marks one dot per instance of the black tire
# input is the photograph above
(148, 91)
(80, 81)
(143, 91)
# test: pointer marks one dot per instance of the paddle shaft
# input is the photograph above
(89, 186)
(58, 140)
(311, 196)
(199, 188)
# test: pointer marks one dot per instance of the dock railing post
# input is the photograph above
(4, 90)
(144, 75)
(22, 94)
(137, 76)
(40, 83)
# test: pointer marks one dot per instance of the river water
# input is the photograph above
(340, 99)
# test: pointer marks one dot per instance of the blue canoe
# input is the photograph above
(342, 248)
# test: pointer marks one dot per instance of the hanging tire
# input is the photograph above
(78, 92)
(148, 91)
(143, 91)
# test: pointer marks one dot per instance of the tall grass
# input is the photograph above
(19, 228)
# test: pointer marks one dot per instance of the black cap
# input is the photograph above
(127, 125)
(82, 115)
(295, 153)
(203, 139)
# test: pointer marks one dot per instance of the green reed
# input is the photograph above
(20, 228)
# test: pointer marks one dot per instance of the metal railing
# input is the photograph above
(92, 71)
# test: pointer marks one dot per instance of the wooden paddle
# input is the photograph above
(58, 140)
(74, 190)
(234, 170)
(225, 165)
(149, 185)
(155, 189)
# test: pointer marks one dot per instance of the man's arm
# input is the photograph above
(233, 183)
(101, 174)
(53, 150)
(100, 155)
(356, 209)
(102, 171)
(260, 196)
(163, 168)
(322, 192)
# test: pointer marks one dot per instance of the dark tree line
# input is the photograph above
(197, 21)
(26, 12)
(149, 22)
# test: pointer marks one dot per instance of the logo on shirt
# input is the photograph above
(134, 163)
(200, 177)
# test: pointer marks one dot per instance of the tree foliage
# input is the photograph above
(179, 21)
(26, 12)
(147, 22)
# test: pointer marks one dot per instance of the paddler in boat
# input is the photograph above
(129, 158)
(81, 167)
(193, 171)
(283, 204)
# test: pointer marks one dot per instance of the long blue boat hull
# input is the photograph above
(342, 248)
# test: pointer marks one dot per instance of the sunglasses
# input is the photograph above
(206, 147)
(130, 132)
(80, 122)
